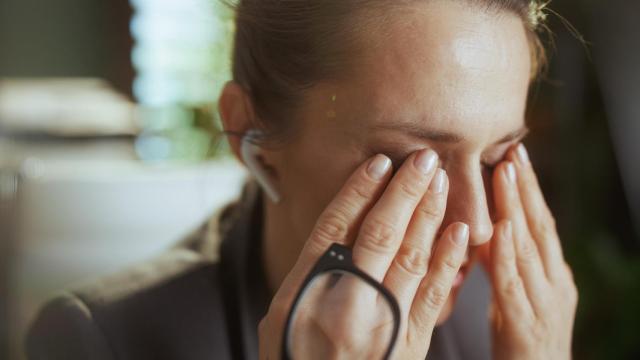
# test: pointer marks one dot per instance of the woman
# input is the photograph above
(392, 127)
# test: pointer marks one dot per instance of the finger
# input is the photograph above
(539, 217)
(508, 288)
(384, 227)
(411, 262)
(339, 221)
(435, 287)
(508, 206)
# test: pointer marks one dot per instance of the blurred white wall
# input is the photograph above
(90, 209)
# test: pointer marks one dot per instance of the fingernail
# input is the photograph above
(439, 181)
(461, 234)
(523, 156)
(426, 160)
(379, 167)
(510, 172)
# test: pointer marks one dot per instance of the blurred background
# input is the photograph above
(110, 149)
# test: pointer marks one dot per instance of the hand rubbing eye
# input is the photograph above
(488, 168)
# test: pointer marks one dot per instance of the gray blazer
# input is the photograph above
(199, 302)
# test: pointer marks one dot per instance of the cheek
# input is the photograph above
(312, 177)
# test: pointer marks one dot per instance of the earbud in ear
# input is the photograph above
(249, 151)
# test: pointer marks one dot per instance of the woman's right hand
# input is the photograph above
(391, 224)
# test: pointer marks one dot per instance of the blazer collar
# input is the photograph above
(242, 270)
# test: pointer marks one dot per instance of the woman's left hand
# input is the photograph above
(534, 292)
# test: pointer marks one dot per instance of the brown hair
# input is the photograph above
(283, 47)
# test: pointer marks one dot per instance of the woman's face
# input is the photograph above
(445, 76)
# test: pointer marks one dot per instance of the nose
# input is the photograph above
(468, 203)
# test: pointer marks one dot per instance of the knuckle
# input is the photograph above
(507, 259)
(410, 189)
(528, 251)
(450, 264)
(377, 235)
(360, 191)
(512, 287)
(435, 296)
(413, 260)
(544, 227)
(331, 228)
(539, 227)
(431, 210)
(421, 320)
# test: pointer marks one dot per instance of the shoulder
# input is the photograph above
(170, 305)
(64, 330)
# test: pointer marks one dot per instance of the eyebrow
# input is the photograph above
(448, 137)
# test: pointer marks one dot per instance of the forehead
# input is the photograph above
(448, 65)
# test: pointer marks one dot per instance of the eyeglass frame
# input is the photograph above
(339, 258)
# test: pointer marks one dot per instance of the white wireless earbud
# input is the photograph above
(249, 151)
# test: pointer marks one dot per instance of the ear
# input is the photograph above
(236, 112)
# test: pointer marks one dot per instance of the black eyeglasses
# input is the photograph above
(341, 309)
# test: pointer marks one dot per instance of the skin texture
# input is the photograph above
(446, 77)
(535, 294)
